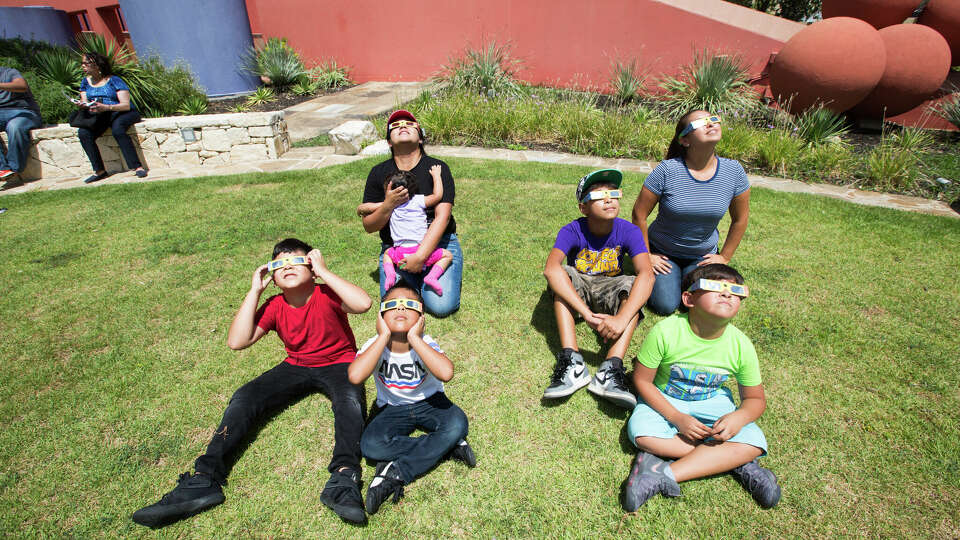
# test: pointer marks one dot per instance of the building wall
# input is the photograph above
(100, 15)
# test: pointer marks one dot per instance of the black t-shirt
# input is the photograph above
(374, 192)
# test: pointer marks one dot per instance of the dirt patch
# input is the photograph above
(283, 100)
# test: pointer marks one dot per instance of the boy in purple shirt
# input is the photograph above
(591, 284)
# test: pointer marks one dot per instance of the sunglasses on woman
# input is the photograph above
(699, 123)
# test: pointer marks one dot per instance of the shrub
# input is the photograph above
(714, 83)
(489, 71)
(779, 151)
(55, 108)
(193, 105)
(949, 109)
(627, 79)
(819, 125)
(329, 75)
(262, 96)
(61, 66)
(175, 86)
(891, 167)
(277, 61)
(912, 139)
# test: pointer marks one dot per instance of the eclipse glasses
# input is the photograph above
(602, 194)
(719, 286)
(292, 261)
(402, 123)
(699, 123)
(398, 303)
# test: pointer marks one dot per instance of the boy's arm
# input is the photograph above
(365, 209)
(560, 284)
(435, 361)
(687, 425)
(244, 332)
(366, 360)
(434, 198)
(613, 327)
(752, 404)
(354, 299)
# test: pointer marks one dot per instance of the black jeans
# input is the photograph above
(118, 123)
(281, 386)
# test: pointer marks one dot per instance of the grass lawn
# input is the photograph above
(114, 369)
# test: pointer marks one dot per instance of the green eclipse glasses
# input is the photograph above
(398, 303)
(293, 261)
(719, 286)
(699, 123)
(602, 194)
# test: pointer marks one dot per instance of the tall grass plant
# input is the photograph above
(712, 82)
(489, 70)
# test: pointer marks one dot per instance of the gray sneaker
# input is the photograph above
(646, 479)
(609, 383)
(760, 482)
(569, 375)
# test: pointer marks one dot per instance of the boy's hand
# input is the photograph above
(594, 320)
(316, 262)
(611, 327)
(435, 171)
(382, 328)
(395, 196)
(691, 428)
(261, 278)
(660, 263)
(713, 258)
(416, 331)
(727, 426)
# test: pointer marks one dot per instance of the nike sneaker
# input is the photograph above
(761, 483)
(609, 383)
(647, 478)
(569, 375)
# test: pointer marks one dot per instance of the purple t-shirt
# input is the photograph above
(593, 255)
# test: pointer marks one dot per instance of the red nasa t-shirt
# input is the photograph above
(314, 335)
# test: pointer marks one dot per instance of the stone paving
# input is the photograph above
(374, 98)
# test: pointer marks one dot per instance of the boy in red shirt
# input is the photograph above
(311, 320)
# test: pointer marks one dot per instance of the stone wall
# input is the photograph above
(220, 139)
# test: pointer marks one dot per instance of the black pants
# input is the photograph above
(281, 386)
(118, 122)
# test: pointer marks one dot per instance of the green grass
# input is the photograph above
(114, 369)
(319, 140)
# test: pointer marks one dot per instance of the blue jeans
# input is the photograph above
(438, 306)
(17, 123)
(665, 297)
(387, 437)
(119, 123)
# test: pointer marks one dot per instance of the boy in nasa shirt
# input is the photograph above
(410, 371)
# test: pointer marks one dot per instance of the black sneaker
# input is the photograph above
(760, 482)
(193, 494)
(386, 482)
(342, 495)
(647, 478)
(569, 375)
(610, 382)
(463, 452)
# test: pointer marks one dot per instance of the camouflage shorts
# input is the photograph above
(603, 294)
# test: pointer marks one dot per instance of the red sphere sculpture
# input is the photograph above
(836, 62)
(944, 17)
(879, 13)
(918, 61)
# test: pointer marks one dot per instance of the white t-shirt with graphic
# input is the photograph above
(402, 378)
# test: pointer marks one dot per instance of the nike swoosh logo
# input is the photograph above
(579, 373)
(655, 467)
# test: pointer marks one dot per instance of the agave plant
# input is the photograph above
(144, 89)
(59, 65)
(262, 96)
(193, 105)
(712, 82)
(276, 62)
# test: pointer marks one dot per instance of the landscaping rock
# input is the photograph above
(348, 137)
(378, 148)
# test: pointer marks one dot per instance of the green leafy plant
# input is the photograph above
(712, 82)
(912, 139)
(819, 125)
(305, 88)
(193, 105)
(489, 71)
(778, 151)
(240, 107)
(176, 85)
(889, 166)
(627, 80)
(329, 75)
(949, 109)
(262, 96)
(276, 62)
(60, 66)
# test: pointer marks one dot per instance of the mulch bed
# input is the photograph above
(283, 100)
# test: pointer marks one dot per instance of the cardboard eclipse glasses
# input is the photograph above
(719, 286)
(402, 123)
(602, 194)
(292, 261)
(398, 303)
(699, 123)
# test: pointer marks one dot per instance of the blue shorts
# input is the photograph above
(646, 422)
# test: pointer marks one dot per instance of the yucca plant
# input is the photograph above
(276, 63)
(240, 107)
(330, 75)
(262, 96)
(59, 65)
(627, 80)
(305, 88)
(912, 139)
(712, 82)
(819, 125)
(144, 88)
(489, 71)
(193, 105)
(949, 109)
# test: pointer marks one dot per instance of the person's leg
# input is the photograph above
(665, 296)
(570, 373)
(349, 403)
(273, 388)
(439, 260)
(88, 140)
(386, 437)
(607, 294)
(709, 459)
(18, 122)
(120, 123)
(388, 269)
(445, 424)
(450, 282)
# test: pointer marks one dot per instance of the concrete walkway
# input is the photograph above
(319, 115)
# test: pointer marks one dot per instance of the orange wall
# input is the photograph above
(559, 41)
